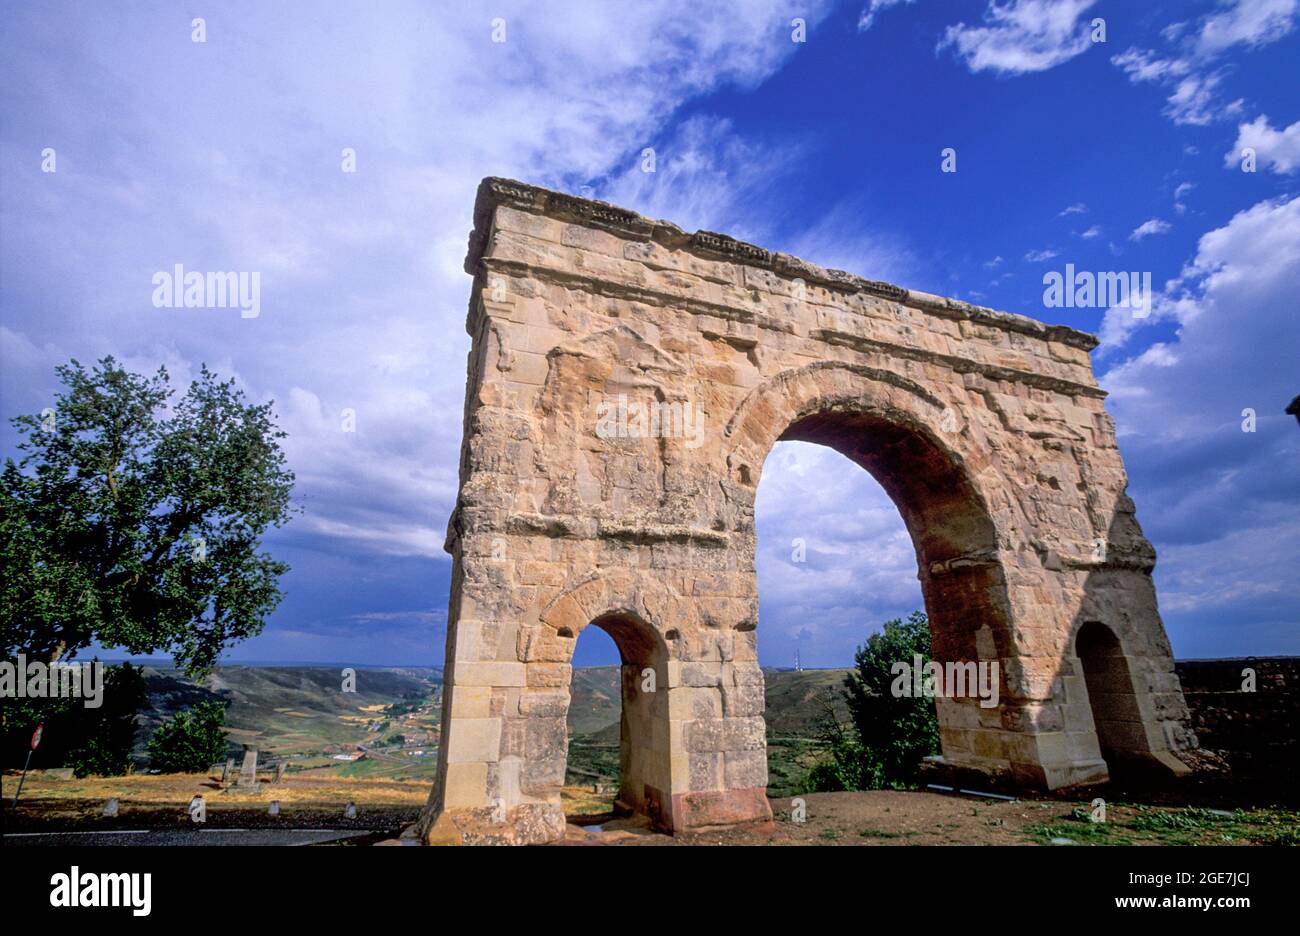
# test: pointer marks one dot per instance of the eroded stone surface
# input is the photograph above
(986, 428)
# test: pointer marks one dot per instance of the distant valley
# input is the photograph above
(389, 727)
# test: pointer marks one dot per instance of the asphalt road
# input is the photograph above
(201, 837)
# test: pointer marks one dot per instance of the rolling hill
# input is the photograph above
(293, 710)
(301, 714)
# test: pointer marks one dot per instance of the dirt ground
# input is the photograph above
(896, 817)
(879, 817)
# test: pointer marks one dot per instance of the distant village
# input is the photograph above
(408, 728)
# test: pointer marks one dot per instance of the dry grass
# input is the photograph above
(147, 792)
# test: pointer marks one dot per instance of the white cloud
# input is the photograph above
(1039, 256)
(1174, 31)
(1278, 149)
(1258, 249)
(1147, 228)
(1094, 231)
(1145, 65)
(1022, 36)
(1238, 568)
(1220, 502)
(1077, 208)
(837, 241)
(363, 293)
(1248, 22)
(706, 177)
(1179, 192)
(1193, 103)
(432, 616)
(1118, 324)
(868, 14)
(1191, 74)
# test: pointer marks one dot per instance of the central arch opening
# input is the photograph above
(835, 561)
(834, 556)
(921, 515)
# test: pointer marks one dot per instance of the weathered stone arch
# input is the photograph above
(988, 430)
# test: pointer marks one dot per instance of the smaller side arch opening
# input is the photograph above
(956, 545)
(1111, 697)
(643, 766)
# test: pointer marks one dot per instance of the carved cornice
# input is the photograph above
(494, 191)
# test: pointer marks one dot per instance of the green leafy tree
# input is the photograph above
(190, 741)
(134, 525)
(890, 734)
(108, 736)
(898, 731)
(90, 740)
(849, 766)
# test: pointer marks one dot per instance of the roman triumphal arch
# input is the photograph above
(626, 382)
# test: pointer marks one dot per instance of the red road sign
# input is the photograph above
(36, 736)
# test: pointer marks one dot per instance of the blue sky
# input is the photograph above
(1122, 155)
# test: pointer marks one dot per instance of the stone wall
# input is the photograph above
(1258, 732)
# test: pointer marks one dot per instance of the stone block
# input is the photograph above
(475, 740)
(544, 702)
(742, 701)
(491, 673)
(464, 786)
(469, 701)
(548, 675)
(744, 769)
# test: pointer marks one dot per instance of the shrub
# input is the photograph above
(190, 741)
(889, 735)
